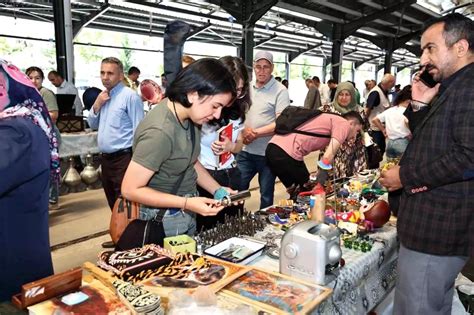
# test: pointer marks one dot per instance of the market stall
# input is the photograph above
(243, 264)
(366, 278)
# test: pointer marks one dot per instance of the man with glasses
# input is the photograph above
(269, 98)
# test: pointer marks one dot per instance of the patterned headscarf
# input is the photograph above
(352, 106)
(19, 97)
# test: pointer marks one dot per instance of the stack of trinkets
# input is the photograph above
(245, 224)
(138, 299)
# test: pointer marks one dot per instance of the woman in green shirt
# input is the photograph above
(36, 75)
(166, 147)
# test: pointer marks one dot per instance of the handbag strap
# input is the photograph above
(161, 213)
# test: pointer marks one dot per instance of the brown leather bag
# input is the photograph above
(123, 213)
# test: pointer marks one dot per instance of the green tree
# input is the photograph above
(126, 54)
(8, 47)
(305, 69)
(49, 52)
(90, 54)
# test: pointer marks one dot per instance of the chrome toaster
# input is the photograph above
(311, 251)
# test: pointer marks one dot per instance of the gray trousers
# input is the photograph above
(425, 283)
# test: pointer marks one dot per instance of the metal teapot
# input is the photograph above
(89, 174)
(71, 178)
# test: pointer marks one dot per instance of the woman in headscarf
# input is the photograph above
(29, 160)
(351, 157)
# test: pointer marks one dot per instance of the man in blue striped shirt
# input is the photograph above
(116, 113)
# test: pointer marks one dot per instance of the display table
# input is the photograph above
(80, 143)
(364, 281)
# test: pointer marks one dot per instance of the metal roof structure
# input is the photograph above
(368, 28)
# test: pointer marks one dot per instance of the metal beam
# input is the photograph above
(60, 37)
(400, 41)
(360, 63)
(247, 11)
(248, 36)
(407, 66)
(294, 55)
(86, 20)
(349, 52)
(298, 9)
(384, 66)
(375, 5)
(338, 7)
(413, 49)
(199, 29)
(266, 40)
(322, 27)
(351, 27)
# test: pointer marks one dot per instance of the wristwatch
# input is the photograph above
(417, 105)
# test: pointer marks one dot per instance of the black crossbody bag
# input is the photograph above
(141, 232)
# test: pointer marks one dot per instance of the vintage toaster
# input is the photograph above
(311, 251)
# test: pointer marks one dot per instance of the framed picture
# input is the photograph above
(217, 274)
(100, 300)
(277, 293)
(229, 304)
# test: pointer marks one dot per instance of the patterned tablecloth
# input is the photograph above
(80, 143)
(364, 281)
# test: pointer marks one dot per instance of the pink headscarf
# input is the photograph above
(20, 98)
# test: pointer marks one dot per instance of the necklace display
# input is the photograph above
(179, 121)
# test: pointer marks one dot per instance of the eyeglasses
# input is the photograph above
(260, 68)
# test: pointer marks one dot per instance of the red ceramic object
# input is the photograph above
(378, 213)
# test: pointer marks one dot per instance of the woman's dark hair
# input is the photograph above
(206, 76)
(403, 95)
(353, 115)
(240, 106)
(32, 69)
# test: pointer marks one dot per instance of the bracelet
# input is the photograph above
(220, 193)
(185, 202)
(417, 105)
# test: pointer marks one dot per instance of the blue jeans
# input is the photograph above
(174, 222)
(53, 191)
(251, 164)
(395, 148)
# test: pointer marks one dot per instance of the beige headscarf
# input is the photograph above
(352, 106)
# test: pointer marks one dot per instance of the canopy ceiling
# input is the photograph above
(291, 26)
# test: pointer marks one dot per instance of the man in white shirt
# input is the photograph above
(324, 91)
(65, 87)
(394, 124)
